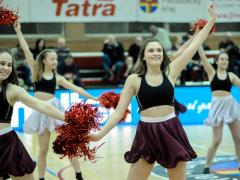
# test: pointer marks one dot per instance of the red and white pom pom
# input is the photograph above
(200, 24)
(110, 100)
(7, 16)
(72, 138)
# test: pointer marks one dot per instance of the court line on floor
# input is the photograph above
(59, 173)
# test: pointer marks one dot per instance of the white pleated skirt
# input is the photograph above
(223, 110)
(37, 122)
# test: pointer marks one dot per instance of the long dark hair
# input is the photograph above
(37, 47)
(12, 78)
(141, 67)
(217, 58)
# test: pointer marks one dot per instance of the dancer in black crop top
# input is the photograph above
(149, 96)
(45, 79)
(45, 85)
(221, 84)
(153, 84)
(10, 144)
(224, 108)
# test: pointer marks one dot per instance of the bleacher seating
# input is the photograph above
(91, 68)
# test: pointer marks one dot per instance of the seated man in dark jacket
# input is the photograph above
(113, 58)
(69, 70)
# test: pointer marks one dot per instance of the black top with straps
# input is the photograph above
(150, 96)
(44, 85)
(218, 84)
(6, 109)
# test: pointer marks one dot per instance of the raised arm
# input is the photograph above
(23, 43)
(206, 65)
(180, 63)
(125, 99)
(63, 82)
(41, 106)
(235, 79)
(183, 47)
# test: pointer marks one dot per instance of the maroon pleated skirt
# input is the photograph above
(14, 158)
(165, 142)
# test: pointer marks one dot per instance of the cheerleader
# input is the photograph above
(160, 136)
(224, 108)
(15, 160)
(45, 79)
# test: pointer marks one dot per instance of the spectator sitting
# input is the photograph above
(133, 53)
(69, 70)
(61, 50)
(194, 70)
(39, 46)
(23, 71)
(113, 59)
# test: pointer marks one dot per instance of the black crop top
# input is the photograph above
(218, 84)
(150, 96)
(6, 109)
(44, 85)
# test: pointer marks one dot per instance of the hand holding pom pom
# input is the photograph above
(72, 139)
(200, 24)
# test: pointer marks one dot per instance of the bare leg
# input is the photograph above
(140, 170)
(235, 131)
(76, 166)
(44, 139)
(179, 172)
(216, 140)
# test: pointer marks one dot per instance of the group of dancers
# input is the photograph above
(159, 137)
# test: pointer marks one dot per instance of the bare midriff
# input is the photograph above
(157, 111)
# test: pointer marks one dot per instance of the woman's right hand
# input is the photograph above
(212, 11)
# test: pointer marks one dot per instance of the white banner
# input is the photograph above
(74, 10)
(83, 10)
(171, 10)
(228, 10)
(187, 10)
(122, 10)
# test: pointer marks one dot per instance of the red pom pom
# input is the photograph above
(110, 100)
(7, 16)
(200, 24)
(72, 139)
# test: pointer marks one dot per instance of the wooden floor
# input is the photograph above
(111, 165)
